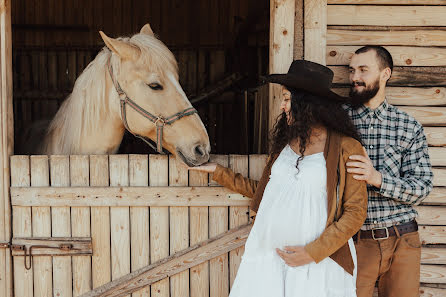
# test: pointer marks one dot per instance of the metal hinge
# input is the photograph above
(50, 246)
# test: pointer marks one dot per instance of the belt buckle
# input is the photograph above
(387, 233)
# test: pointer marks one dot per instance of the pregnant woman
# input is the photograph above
(308, 207)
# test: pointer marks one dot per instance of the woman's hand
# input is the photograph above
(294, 256)
(206, 167)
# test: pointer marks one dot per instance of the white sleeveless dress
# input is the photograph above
(293, 211)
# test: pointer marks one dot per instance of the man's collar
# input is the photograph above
(380, 111)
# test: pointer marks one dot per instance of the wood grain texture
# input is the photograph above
(427, 116)
(100, 224)
(315, 30)
(434, 274)
(431, 215)
(402, 55)
(439, 177)
(418, 37)
(386, 15)
(41, 224)
(432, 234)
(139, 219)
(436, 197)
(61, 226)
(388, 2)
(20, 176)
(433, 255)
(280, 48)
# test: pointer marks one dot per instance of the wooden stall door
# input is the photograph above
(93, 219)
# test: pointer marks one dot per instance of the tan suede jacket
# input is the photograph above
(347, 199)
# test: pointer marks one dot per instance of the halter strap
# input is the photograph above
(159, 121)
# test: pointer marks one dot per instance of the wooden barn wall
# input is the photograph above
(53, 41)
(415, 34)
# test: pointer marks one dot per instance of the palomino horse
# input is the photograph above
(132, 83)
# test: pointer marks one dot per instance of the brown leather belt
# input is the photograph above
(386, 232)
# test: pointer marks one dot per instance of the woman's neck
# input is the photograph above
(315, 144)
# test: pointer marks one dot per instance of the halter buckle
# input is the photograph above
(160, 120)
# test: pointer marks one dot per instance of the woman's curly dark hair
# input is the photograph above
(307, 111)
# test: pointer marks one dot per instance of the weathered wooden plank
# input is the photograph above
(21, 224)
(41, 221)
(7, 145)
(386, 15)
(79, 246)
(436, 197)
(298, 48)
(61, 227)
(218, 224)
(139, 219)
(159, 222)
(238, 215)
(199, 231)
(80, 224)
(436, 136)
(126, 196)
(179, 228)
(119, 219)
(315, 30)
(280, 49)
(391, 2)
(402, 76)
(100, 224)
(432, 292)
(431, 215)
(439, 177)
(418, 37)
(427, 116)
(409, 96)
(176, 263)
(432, 234)
(433, 255)
(402, 55)
(435, 274)
(438, 156)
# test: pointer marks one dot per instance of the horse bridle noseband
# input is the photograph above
(159, 121)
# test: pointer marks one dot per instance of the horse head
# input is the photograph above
(152, 104)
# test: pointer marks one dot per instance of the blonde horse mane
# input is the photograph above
(85, 108)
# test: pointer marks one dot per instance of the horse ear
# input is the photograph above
(147, 30)
(121, 48)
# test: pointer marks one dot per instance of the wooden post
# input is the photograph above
(280, 49)
(315, 30)
(6, 144)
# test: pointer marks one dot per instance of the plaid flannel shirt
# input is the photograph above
(397, 146)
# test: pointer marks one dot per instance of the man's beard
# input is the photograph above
(360, 98)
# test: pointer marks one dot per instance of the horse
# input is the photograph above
(131, 84)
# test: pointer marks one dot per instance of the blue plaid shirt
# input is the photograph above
(397, 146)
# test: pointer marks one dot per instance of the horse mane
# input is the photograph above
(84, 110)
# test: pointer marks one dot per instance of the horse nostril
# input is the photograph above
(199, 151)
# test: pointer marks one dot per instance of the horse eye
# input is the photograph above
(155, 86)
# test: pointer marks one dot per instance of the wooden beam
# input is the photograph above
(432, 234)
(433, 255)
(409, 95)
(431, 215)
(374, 15)
(431, 292)
(415, 37)
(439, 177)
(174, 264)
(6, 144)
(298, 30)
(402, 55)
(280, 49)
(434, 274)
(438, 156)
(427, 116)
(388, 2)
(126, 196)
(436, 136)
(315, 30)
(402, 76)
(436, 197)
(54, 246)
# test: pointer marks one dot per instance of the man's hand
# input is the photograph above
(364, 170)
(206, 167)
(294, 256)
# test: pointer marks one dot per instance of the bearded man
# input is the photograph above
(398, 173)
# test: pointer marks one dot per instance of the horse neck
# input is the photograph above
(93, 128)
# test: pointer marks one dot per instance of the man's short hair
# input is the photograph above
(384, 57)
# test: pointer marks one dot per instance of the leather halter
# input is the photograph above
(159, 121)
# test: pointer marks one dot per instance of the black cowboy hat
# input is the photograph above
(308, 76)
